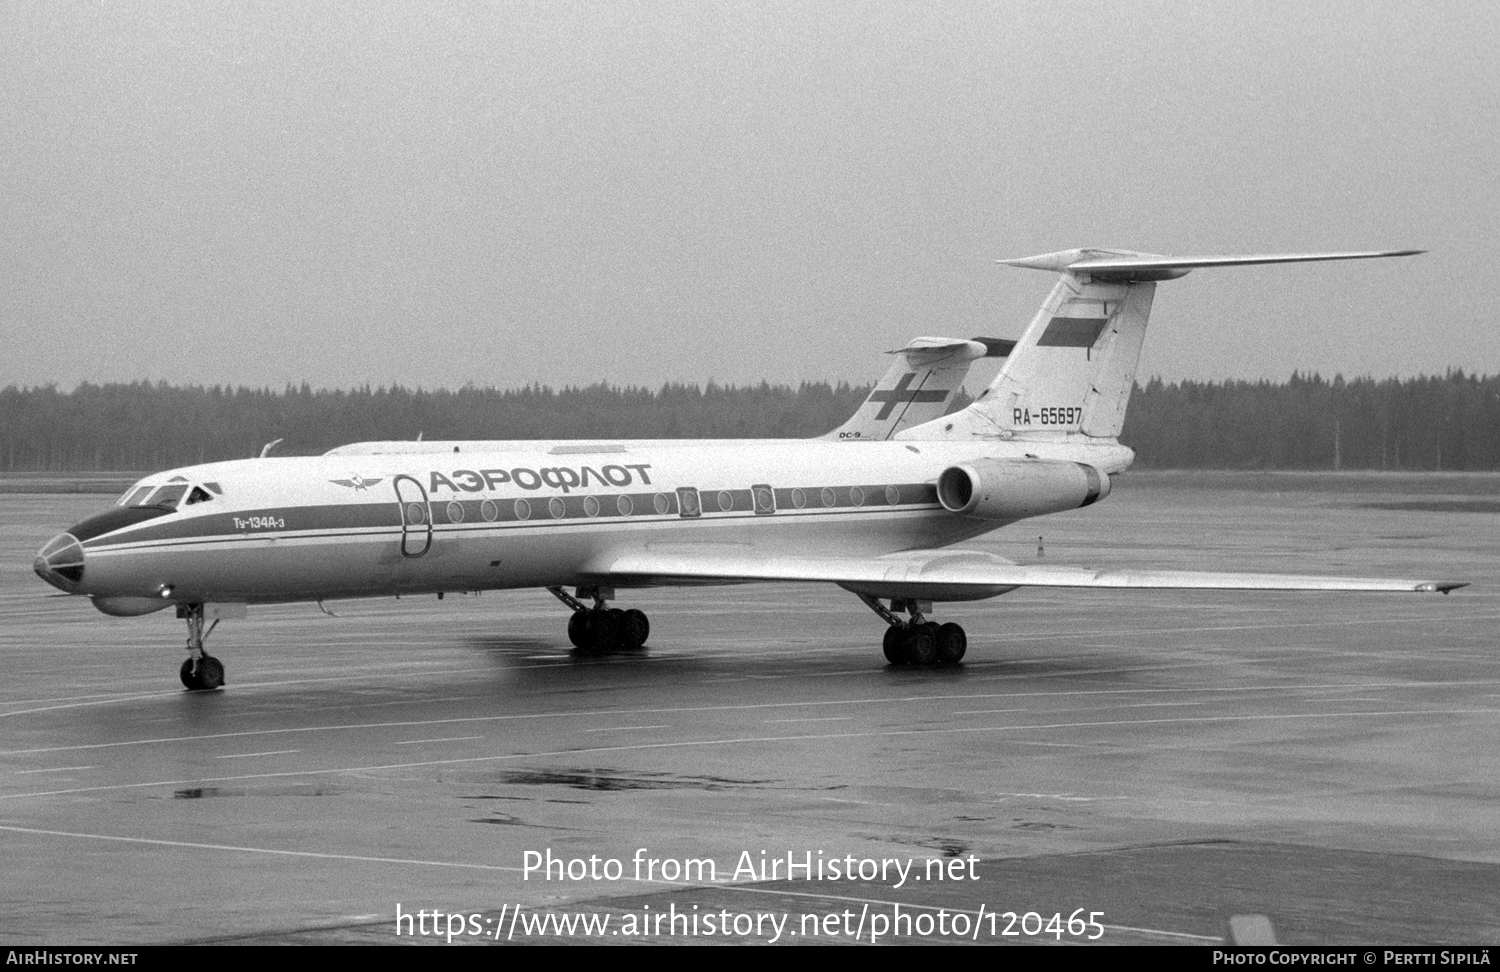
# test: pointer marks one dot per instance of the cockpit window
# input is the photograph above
(134, 495)
(215, 488)
(167, 496)
(198, 495)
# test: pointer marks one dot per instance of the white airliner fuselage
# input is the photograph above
(297, 529)
(873, 508)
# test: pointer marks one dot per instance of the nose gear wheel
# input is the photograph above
(201, 672)
(206, 674)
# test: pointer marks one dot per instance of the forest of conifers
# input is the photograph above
(1429, 423)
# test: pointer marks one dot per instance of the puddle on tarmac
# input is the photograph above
(600, 780)
(503, 819)
(946, 846)
(206, 792)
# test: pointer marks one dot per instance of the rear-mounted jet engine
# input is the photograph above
(1008, 489)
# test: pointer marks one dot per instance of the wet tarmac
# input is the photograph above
(1165, 759)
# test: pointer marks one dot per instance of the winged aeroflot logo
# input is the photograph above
(356, 482)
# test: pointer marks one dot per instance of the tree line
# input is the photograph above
(1450, 422)
(146, 426)
(1419, 424)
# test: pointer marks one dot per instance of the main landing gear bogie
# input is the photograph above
(918, 641)
(600, 629)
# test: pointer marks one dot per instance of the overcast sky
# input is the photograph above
(639, 192)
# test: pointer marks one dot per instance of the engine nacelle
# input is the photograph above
(1013, 489)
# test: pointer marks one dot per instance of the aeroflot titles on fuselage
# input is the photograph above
(564, 478)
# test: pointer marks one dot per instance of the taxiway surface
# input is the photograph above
(1167, 759)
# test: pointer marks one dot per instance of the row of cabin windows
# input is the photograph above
(685, 502)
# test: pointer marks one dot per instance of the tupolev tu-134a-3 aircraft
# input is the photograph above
(874, 507)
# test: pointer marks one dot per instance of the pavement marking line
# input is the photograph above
(624, 728)
(1168, 934)
(984, 711)
(562, 714)
(1049, 636)
(811, 719)
(1033, 742)
(1068, 797)
(752, 740)
(271, 752)
(418, 742)
(244, 686)
(77, 705)
(277, 705)
(55, 769)
(97, 696)
(253, 850)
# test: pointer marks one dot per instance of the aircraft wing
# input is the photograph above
(943, 574)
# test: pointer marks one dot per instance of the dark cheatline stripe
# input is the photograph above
(740, 501)
(874, 495)
(301, 519)
(1072, 332)
(294, 518)
(115, 519)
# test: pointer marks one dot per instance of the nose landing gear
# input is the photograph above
(918, 641)
(201, 672)
(599, 629)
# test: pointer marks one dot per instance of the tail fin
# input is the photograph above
(1072, 371)
(918, 387)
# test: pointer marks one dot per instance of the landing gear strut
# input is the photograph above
(601, 628)
(918, 641)
(201, 671)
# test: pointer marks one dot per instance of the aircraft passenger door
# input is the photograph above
(416, 516)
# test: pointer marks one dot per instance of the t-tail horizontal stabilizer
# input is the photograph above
(1127, 265)
(1071, 372)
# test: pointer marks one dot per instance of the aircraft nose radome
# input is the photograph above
(60, 562)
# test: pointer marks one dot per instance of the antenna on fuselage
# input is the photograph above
(265, 450)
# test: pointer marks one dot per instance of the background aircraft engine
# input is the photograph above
(1013, 489)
